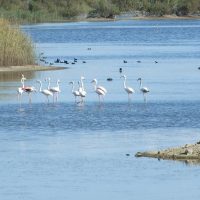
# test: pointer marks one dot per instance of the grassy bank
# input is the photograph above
(15, 47)
(53, 10)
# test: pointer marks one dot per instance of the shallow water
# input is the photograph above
(68, 151)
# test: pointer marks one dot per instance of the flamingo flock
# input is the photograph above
(79, 93)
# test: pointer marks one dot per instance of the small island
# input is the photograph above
(187, 152)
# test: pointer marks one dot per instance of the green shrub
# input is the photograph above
(181, 7)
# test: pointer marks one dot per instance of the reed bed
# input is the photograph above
(16, 49)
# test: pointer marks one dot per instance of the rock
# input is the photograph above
(186, 152)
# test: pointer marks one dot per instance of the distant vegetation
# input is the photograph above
(15, 48)
(52, 10)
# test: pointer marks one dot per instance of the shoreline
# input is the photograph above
(188, 152)
(119, 18)
(28, 68)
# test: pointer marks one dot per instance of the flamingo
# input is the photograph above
(27, 89)
(55, 90)
(144, 90)
(46, 92)
(100, 90)
(74, 92)
(20, 89)
(129, 90)
(81, 90)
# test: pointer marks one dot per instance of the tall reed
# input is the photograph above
(16, 49)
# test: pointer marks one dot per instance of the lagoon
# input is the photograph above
(66, 151)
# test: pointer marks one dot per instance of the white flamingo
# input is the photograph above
(28, 89)
(100, 90)
(144, 90)
(74, 92)
(129, 90)
(81, 90)
(55, 90)
(45, 92)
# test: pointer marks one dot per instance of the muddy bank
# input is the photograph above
(187, 152)
(29, 68)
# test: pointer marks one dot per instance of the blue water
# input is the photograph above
(68, 151)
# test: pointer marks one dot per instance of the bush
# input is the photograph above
(104, 8)
(181, 8)
(15, 48)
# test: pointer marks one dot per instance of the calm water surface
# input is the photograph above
(65, 151)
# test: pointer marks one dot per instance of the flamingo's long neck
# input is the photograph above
(40, 86)
(124, 82)
(140, 83)
(22, 81)
(95, 85)
(48, 84)
(82, 86)
(58, 84)
(72, 87)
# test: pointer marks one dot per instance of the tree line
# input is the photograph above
(53, 10)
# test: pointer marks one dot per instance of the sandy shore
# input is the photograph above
(29, 68)
(187, 152)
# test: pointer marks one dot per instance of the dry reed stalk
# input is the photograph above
(16, 49)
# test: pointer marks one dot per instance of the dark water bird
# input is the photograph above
(89, 49)
(127, 154)
(156, 61)
(50, 63)
(199, 68)
(84, 61)
(120, 70)
(138, 61)
(75, 59)
(57, 60)
(125, 61)
(46, 62)
(66, 62)
(109, 79)
(73, 63)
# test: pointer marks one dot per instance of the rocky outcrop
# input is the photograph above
(186, 152)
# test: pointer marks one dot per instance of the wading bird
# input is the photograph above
(76, 93)
(20, 89)
(45, 92)
(55, 90)
(28, 89)
(144, 90)
(81, 89)
(129, 90)
(100, 90)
